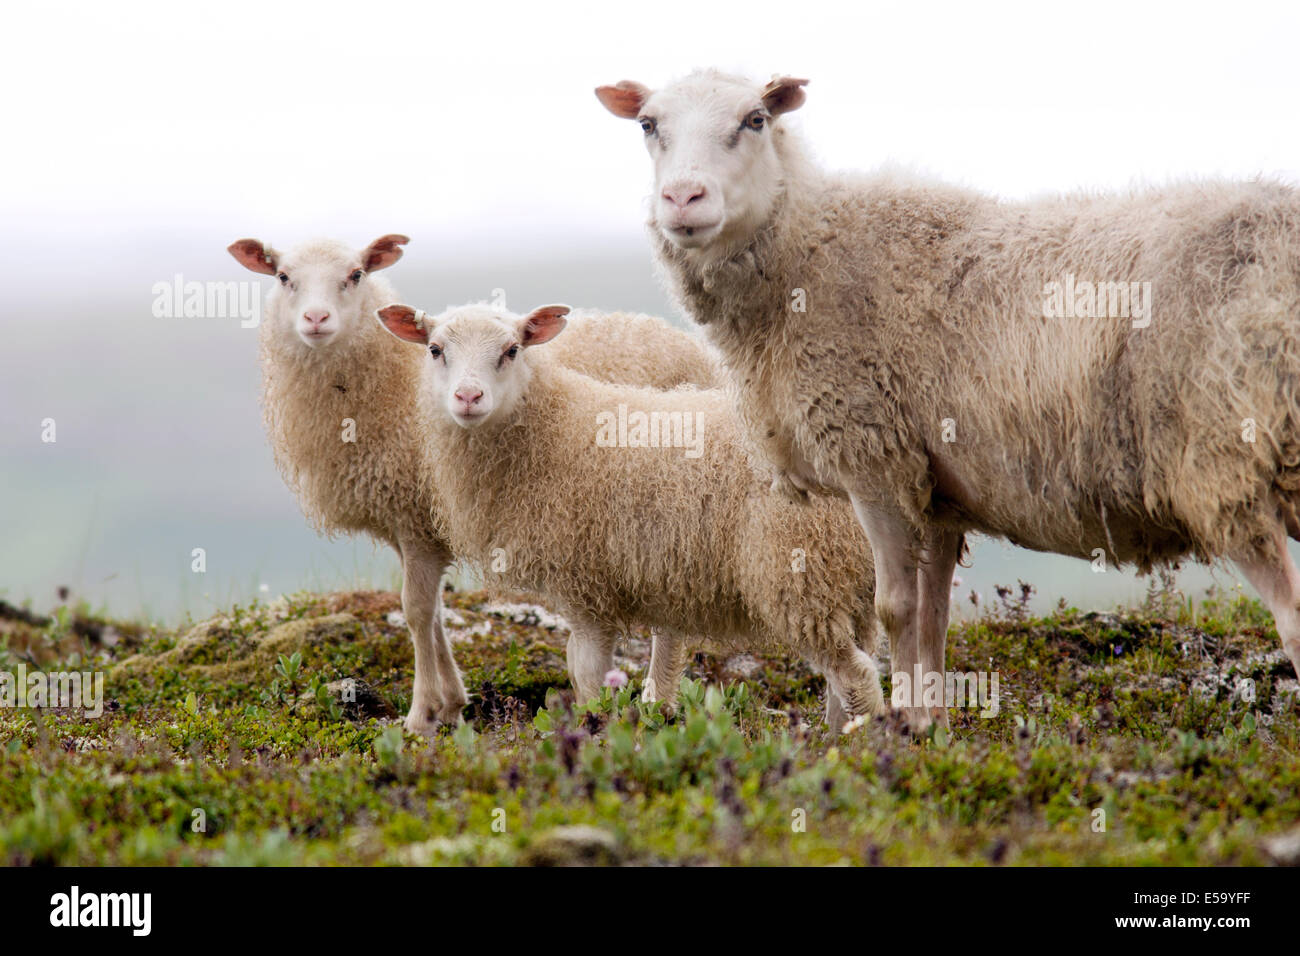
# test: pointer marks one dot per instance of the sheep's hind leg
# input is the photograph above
(590, 654)
(1275, 576)
(836, 715)
(668, 654)
(894, 547)
(934, 571)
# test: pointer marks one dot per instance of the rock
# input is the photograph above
(9, 612)
(211, 648)
(529, 615)
(462, 635)
(358, 699)
(741, 667)
(1284, 849)
(579, 845)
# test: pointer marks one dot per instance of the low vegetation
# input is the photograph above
(1165, 734)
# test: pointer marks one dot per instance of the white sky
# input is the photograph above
(478, 119)
(140, 138)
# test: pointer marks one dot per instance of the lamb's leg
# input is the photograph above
(1277, 580)
(937, 562)
(894, 547)
(439, 694)
(668, 654)
(852, 680)
(836, 715)
(590, 654)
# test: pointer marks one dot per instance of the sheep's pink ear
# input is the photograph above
(254, 254)
(783, 94)
(404, 322)
(624, 98)
(542, 325)
(383, 252)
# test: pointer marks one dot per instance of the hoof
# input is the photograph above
(421, 721)
(917, 720)
(451, 713)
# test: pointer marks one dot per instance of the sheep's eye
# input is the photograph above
(284, 278)
(754, 120)
(648, 125)
(435, 351)
(356, 276)
(512, 351)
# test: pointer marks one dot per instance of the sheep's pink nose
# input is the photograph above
(682, 195)
(468, 396)
(316, 317)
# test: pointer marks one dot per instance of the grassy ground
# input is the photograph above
(1121, 739)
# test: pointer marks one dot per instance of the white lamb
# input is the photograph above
(337, 395)
(623, 505)
(920, 348)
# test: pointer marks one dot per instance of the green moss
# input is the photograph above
(1122, 739)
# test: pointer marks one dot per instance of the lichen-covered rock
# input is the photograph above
(223, 652)
(579, 845)
(357, 699)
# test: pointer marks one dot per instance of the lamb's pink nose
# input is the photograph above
(315, 318)
(682, 195)
(468, 396)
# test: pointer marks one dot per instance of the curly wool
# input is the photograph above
(925, 309)
(372, 484)
(629, 536)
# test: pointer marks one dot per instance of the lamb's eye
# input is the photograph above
(754, 120)
(284, 278)
(356, 276)
(512, 351)
(648, 125)
(435, 351)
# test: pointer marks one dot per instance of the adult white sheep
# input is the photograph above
(897, 340)
(624, 505)
(337, 394)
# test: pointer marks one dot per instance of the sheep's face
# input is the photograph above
(717, 171)
(321, 289)
(478, 370)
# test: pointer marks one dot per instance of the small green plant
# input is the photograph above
(329, 707)
(388, 747)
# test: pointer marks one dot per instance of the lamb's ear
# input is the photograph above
(255, 255)
(624, 99)
(383, 252)
(783, 94)
(542, 325)
(408, 324)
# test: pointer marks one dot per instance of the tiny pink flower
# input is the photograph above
(616, 678)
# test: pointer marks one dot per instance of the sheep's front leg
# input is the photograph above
(1275, 576)
(668, 653)
(438, 695)
(894, 547)
(937, 562)
(590, 654)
